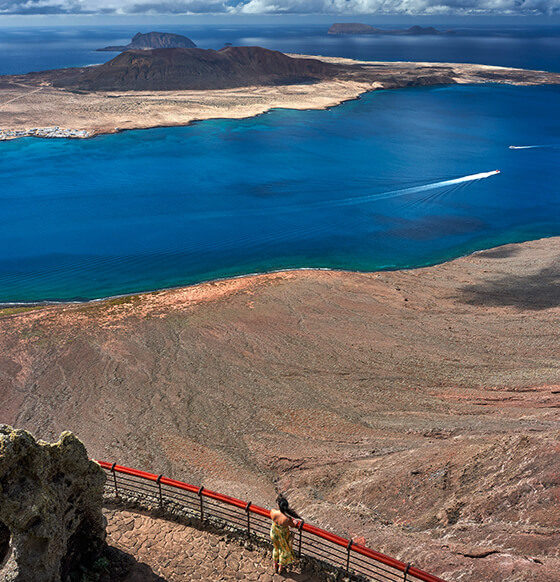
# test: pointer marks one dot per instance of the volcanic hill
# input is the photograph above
(154, 40)
(194, 68)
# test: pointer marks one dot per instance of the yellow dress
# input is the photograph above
(283, 551)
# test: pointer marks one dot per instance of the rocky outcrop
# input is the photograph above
(153, 40)
(51, 524)
(192, 68)
(358, 28)
(352, 28)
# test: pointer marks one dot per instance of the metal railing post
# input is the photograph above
(115, 479)
(300, 527)
(158, 481)
(406, 572)
(247, 507)
(348, 549)
(201, 503)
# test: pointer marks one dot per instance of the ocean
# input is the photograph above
(381, 182)
(38, 48)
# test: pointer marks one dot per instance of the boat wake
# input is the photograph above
(412, 190)
(440, 188)
(200, 246)
(533, 147)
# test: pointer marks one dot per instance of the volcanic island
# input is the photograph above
(144, 88)
(415, 411)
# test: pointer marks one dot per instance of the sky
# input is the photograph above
(335, 10)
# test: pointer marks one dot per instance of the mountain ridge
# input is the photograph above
(195, 68)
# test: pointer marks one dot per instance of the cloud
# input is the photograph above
(344, 8)
(409, 7)
(178, 7)
(37, 7)
(294, 7)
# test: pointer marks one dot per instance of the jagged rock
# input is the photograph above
(51, 524)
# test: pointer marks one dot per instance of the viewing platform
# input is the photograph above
(175, 553)
(321, 555)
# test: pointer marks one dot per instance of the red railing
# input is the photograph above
(355, 559)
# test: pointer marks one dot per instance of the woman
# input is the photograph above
(282, 521)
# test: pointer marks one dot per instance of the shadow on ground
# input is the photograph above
(125, 568)
(504, 252)
(535, 291)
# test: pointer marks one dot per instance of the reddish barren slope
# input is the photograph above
(419, 409)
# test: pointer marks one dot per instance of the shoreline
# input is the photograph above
(37, 105)
(75, 133)
(246, 280)
(438, 381)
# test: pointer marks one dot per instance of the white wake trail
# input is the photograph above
(532, 147)
(217, 214)
(412, 190)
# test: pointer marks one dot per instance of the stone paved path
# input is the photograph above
(171, 552)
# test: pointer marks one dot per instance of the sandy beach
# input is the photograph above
(30, 101)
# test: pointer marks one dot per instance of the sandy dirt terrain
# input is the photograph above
(23, 107)
(418, 410)
(30, 101)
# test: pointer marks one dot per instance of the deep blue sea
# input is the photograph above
(38, 48)
(362, 186)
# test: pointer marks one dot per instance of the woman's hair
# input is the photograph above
(285, 508)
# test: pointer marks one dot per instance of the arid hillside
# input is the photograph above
(418, 409)
(193, 68)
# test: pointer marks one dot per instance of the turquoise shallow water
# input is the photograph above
(151, 209)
